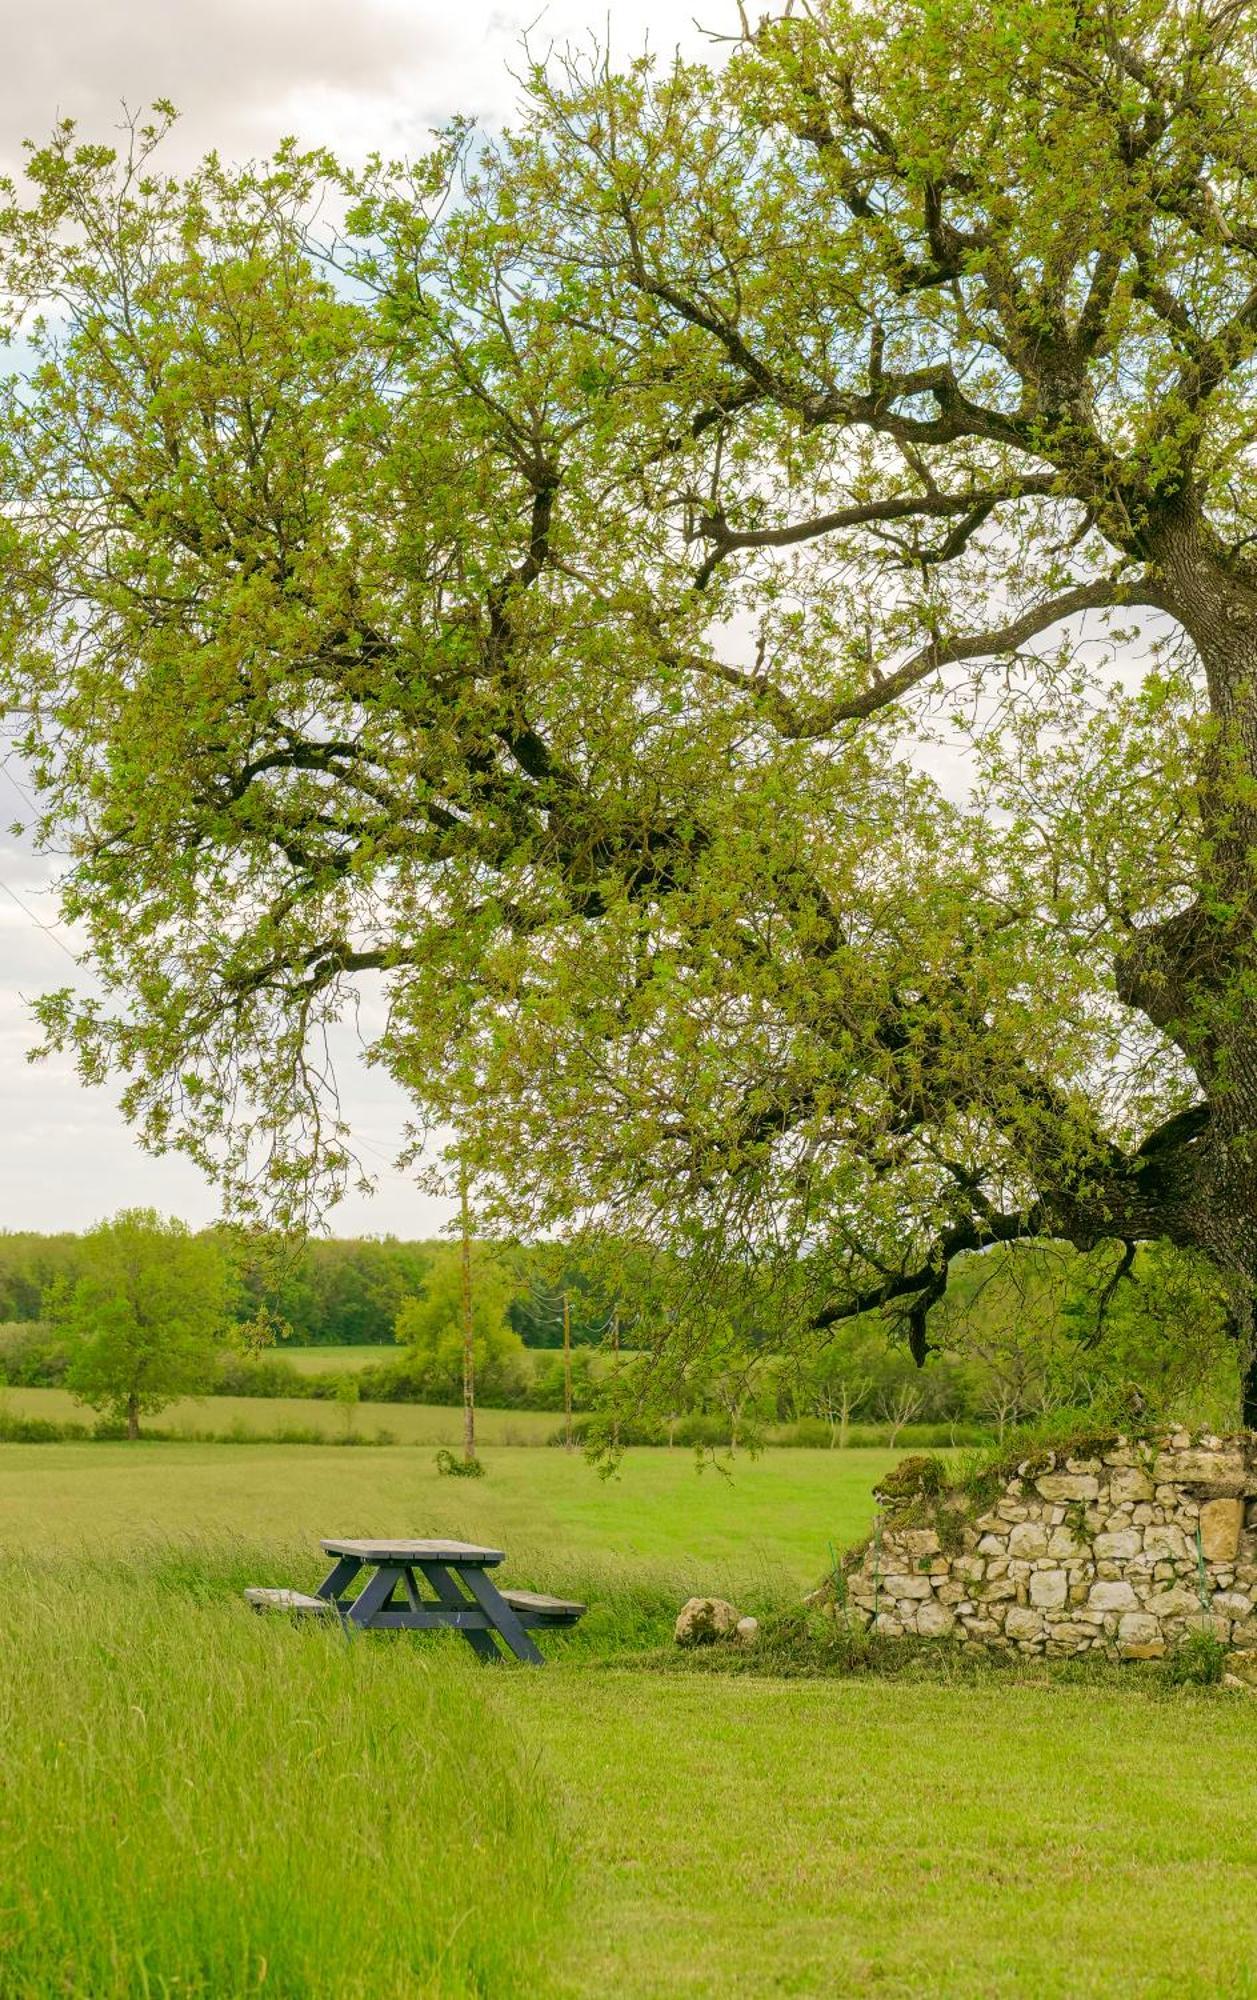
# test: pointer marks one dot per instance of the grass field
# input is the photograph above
(198, 1802)
(319, 1360)
(408, 1423)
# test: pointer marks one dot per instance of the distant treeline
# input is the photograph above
(332, 1292)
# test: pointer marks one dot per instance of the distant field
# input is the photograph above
(316, 1360)
(409, 1423)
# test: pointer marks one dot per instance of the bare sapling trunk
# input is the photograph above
(469, 1349)
(567, 1372)
(133, 1415)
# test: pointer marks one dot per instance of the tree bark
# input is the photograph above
(133, 1416)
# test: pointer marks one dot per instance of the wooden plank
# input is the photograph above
(341, 1574)
(504, 1619)
(288, 1600)
(549, 1610)
(461, 1554)
(438, 1580)
(433, 1618)
(374, 1595)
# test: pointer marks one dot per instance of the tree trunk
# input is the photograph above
(567, 1373)
(133, 1416)
(469, 1331)
(1248, 1390)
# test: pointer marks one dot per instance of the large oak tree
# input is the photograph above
(552, 594)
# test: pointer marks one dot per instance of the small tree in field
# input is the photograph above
(432, 1327)
(147, 1313)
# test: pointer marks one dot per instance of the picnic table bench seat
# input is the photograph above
(288, 1600)
(534, 1607)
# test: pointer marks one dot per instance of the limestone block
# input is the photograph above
(1028, 1540)
(935, 1620)
(971, 1568)
(1221, 1470)
(1061, 1542)
(952, 1592)
(1090, 1466)
(1049, 1589)
(1119, 1547)
(997, 1590)
(701, 1620)
(1220, 1524)
(907, 1586)
(1143, 1515)
(1242, 1667)
(1169, 1542)
(1069, 1633)
(1244, 1635)
(1068, 1486)
(997, 1566)
(1231, 1604)
(1129, 1486)
(1012, 1510)
(1173, 1602)
(1139, 1636)
(1112, 1597)
(917, 1542)
(1023, 1623)
(992, 1545)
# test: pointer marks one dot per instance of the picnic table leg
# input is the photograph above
(374, 1595)
(502, 1617)
(452, 1598)
(343, 1571)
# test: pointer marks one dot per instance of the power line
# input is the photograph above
(47, 929)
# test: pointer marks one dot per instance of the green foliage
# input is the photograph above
(913, 1477)
(146, 1316)
(458, 1468)
(1199, 1660)
(536, 598)
(430, 1327)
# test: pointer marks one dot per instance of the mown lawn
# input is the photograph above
(195, 1801)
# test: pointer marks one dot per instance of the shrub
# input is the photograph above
(911, 1477)
(1199, 1660)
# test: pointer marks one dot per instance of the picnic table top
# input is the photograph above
(465, 1553)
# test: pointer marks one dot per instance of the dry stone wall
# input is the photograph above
(1122, 1552)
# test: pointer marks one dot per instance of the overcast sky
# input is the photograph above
(357, 74)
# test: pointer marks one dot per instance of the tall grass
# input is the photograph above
(198, 1801)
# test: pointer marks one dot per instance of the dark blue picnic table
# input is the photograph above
(426, 1586)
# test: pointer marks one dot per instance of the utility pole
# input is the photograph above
(469, 1351)
(567, 1370)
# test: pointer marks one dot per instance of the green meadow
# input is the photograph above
(196, 1801)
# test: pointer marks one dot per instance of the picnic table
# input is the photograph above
(426, 1586)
